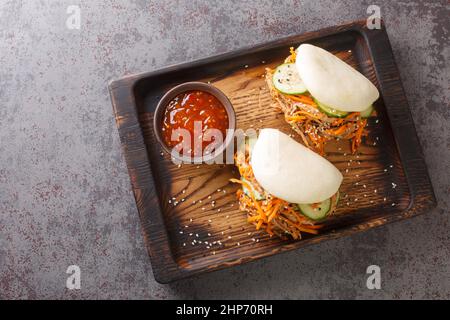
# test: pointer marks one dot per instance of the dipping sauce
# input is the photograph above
(191, 110)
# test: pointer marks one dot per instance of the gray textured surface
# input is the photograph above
(64, 190)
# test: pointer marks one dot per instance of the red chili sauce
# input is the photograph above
(184, 111)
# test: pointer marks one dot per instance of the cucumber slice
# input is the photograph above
(330, 111)
(316, 212)
(287, 80)
(258, 196)
(366, 113)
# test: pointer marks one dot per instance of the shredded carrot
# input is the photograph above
(307, 230)
(293, 54)
(296, 118)
(259, 224)
(274, 211)
(339, 130)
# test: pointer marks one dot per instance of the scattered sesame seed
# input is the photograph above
(393, 185)
(393, 204)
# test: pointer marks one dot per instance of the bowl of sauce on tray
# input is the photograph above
(194, 122)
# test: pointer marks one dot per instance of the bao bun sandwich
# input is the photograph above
(322, 97)
(287, 189)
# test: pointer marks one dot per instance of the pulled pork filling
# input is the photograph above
(314, 126)
(275, 216)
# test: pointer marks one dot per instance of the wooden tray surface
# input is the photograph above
(189, 213)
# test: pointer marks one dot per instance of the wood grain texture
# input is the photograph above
(190, 214)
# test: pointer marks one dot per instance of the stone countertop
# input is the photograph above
(65, 193)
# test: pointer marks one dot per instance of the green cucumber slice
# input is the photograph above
(287, 80)
(330, 111)
(366, 113)
(258, 196)
(318, 212)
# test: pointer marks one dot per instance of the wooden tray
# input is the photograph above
(189, 214)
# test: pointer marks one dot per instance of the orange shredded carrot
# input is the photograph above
(259, 224)
(293, 54)
(296, 118)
